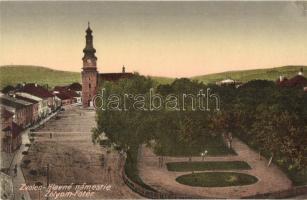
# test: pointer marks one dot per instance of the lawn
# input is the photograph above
(214, 145)
(216, 179)
(207, 165)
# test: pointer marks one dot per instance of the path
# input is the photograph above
(65, 143)
(270, 179)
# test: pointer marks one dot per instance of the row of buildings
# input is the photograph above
(26, 104)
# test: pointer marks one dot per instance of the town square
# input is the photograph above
(153, 100)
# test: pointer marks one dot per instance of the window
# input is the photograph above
(89, 85)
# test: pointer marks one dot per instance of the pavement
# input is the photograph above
(73, 157)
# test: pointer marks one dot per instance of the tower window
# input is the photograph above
(89, 85)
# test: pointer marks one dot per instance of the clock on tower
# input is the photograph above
(89, 70)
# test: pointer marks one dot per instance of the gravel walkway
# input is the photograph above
(270, 178)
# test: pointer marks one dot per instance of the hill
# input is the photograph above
(247, 75)
(11, 75)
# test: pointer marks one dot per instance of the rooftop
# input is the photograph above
(114, 76)
(13, 102)
(36, 90)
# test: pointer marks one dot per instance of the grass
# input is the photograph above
(216, 179)
(207, 165)
(213, 144)
(12, 75)
(247, 75)
(162, 80)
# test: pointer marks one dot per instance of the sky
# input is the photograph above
(174, 39)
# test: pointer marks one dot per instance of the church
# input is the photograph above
(91, 78)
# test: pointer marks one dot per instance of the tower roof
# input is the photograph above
(89, 50)
(88, 30)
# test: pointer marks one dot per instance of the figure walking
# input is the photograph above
(15, 170)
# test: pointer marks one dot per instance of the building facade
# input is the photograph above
(10, 132)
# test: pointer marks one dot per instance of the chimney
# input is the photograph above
(281, 78)
(124, 69)
(301, 72)
(23, 84)
(35, 84)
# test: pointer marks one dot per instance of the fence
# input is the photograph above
(149, 193)
(294, 191)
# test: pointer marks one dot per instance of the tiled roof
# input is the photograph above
(13, 102)
(60, 88)
(36, 90)
(296, 81)
(67, 94)
(26, 99)
(75, 86)
(114, 76)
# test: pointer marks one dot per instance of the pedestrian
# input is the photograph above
(15, 170)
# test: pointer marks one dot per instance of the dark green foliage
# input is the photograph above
(268, 118)
(207, 165)
(216, 179)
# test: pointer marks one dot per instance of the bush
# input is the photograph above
(25, 153)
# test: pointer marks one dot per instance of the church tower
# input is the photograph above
(89, 70)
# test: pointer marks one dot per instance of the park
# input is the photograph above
(233, 152)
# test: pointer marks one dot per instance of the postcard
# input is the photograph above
(153, 100)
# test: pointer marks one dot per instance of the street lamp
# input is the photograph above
(203, 154)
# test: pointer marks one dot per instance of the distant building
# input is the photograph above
(90, 76)
(68, 95)
(77, 87)
(229, 82)
(297, 81)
